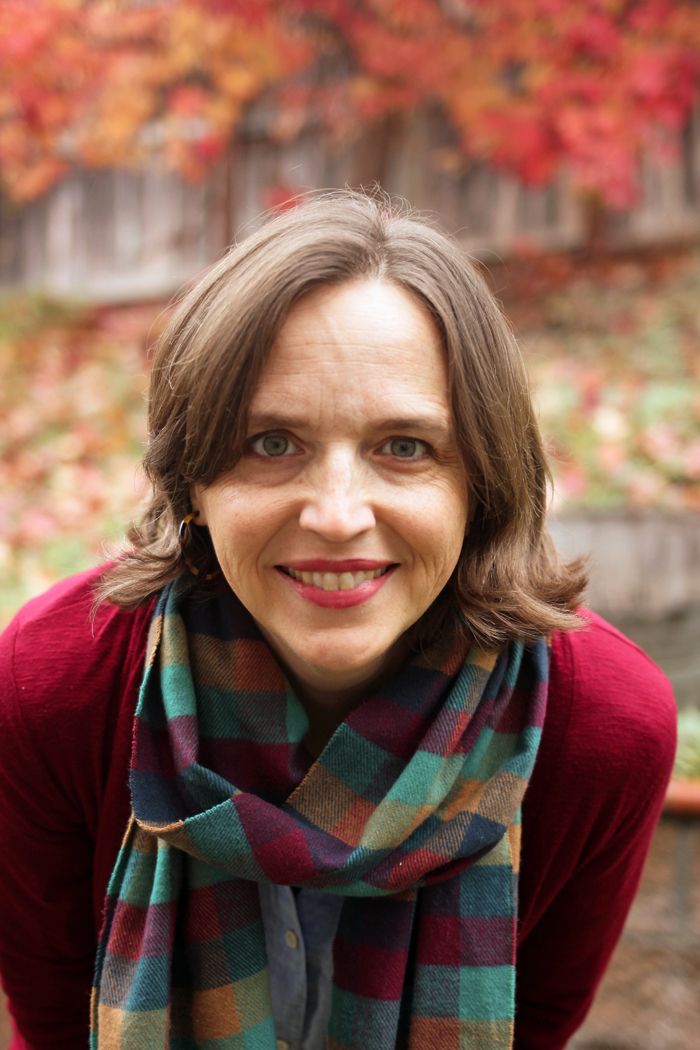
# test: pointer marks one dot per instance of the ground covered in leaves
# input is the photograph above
(72, 403)
(613, 349)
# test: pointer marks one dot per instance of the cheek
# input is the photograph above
(242, 520)
(437, 534)
(444, 544)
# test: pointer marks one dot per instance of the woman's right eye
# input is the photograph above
(272, 445)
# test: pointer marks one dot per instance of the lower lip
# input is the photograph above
(338, 599)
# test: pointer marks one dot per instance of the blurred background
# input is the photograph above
(558, 140)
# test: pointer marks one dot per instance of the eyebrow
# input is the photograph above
(398, 424)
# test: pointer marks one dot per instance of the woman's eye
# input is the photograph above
(274, 445)
(405, 448)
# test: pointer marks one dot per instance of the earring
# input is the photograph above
(187, 537)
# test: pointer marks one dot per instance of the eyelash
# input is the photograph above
(293, 448)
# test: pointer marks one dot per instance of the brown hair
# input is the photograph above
(509, 581)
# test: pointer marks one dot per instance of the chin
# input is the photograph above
(343, 655)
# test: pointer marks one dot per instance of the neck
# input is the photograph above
(327, 696)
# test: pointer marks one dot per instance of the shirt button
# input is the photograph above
(292, 942)
(282, 1044)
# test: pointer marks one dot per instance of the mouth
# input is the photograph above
(335, 581)
(356, 584)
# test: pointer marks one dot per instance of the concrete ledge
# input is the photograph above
(644, 564)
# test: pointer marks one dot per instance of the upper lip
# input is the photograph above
(346, 565)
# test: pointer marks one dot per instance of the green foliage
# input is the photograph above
(23, 316)
(688, 753)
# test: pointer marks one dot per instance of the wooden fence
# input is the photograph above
(119, 235)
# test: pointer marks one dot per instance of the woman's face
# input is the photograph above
(346, 515)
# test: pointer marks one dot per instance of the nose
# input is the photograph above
(337, 505)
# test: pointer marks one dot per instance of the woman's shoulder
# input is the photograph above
(611, 707)
(609, 676)
(606, 754)
(60, 664)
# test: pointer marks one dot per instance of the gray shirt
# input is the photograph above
(299, 934)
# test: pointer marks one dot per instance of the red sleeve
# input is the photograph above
(588, 817)
(62, 682)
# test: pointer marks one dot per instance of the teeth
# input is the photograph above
(332, 581)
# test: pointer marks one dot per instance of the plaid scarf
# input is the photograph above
(412, 813)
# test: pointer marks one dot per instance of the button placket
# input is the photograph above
(287, 963)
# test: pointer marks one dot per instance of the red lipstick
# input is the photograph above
(338, 599)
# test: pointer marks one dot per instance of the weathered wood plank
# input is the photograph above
(110, 235)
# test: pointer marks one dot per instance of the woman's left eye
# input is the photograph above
(405, 448)
(274, 445)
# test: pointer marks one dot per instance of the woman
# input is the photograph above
(360, 647)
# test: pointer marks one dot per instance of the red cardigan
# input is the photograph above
(68, 690)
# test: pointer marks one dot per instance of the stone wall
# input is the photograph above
(645, 578)
(644, 564)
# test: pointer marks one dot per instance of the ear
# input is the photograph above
(198, 503)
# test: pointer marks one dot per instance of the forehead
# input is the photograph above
(365, 339)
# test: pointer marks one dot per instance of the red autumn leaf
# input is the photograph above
(102, 82)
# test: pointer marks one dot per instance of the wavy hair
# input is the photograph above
(509, 581)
